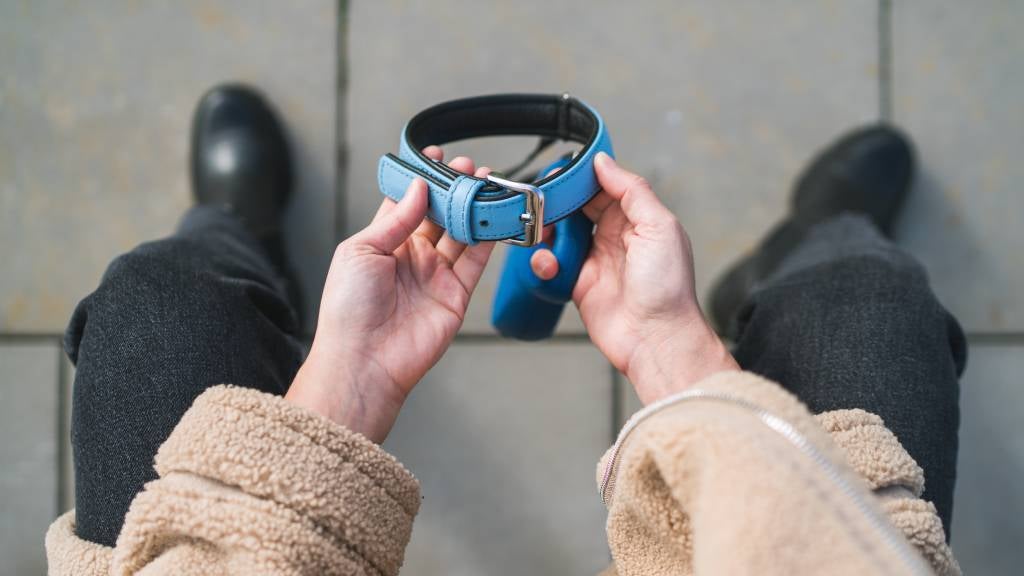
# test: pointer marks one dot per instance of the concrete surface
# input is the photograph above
(958, 89)
(505, 440)
(94, 125)
(28, 450)
(988, 520)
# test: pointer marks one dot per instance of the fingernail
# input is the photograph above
(604, 160)
(416, 183)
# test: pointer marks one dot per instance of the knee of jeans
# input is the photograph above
(157, 287)
(894, 276)
(147, 309)
(154, 273)
(863, 289)
(126, 286)
(174, 294)
(883, 298)
(890, 276)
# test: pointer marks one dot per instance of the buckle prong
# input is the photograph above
(533, 218)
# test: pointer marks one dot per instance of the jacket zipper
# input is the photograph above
(893, 539)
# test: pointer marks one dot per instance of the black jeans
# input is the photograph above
(169, 320)
(848, 322)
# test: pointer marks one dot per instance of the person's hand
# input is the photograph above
(395, 296)
(636, 291)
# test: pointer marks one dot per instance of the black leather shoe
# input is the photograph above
(868, 171)
(240, 159)
(241, 163)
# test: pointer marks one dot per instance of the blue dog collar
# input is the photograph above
(496, 208)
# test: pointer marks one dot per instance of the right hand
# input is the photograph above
(395, 296)
(636, 291)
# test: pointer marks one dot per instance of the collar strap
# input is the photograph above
(495, 208)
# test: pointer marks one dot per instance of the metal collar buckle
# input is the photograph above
(533, 218)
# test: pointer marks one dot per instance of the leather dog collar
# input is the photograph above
(496, 208)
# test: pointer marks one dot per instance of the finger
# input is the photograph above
(386, 206)
(544, 264)
(639, 202)
(432, 232)
(450, 248)
(447, 246)
(462, 164)
(428, 229)
(470, 265)
(387, 233)
(434, 153)
(597, 205)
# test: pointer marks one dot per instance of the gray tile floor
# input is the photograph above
(95, 123)
(29, 450)
(718, 104)
(958, 88)
(989, 513)
(505, 440)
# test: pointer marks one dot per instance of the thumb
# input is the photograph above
(638, 201)
(544, 264)
(386, 233)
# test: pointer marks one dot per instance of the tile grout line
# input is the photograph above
(29, 337)
(493, 338)
(885, 60)
(340, 121)
(340, 147)
(1005, 338)
(979, 337)
(995, 338)
(62, 432)
(617, 403)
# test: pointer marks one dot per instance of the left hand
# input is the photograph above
(395, 296)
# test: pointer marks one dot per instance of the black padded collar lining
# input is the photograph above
(549, 116)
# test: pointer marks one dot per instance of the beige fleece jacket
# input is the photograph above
(250, 484)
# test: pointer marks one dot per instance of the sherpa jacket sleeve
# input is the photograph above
(735, 476)
(250, 484)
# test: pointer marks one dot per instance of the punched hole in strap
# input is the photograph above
(458, 216)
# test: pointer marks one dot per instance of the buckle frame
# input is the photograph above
(533, 218)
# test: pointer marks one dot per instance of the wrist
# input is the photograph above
(355, 394)
(677, 357)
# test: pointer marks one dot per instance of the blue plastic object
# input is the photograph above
(526, 307)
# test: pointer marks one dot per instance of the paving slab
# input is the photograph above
(719, 107)
(957, 88)
(94, 123)
(28, 449)
(988, 517)
(505, 440)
